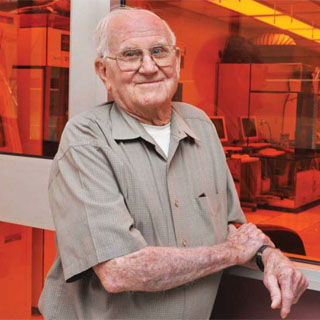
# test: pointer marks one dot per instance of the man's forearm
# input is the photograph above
(161, 268)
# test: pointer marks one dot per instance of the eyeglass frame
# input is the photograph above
(174, 47)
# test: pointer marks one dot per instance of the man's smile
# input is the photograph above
(147, 83)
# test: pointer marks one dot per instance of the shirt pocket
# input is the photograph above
(213, 208)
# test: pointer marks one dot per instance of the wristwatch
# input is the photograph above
(259, 253)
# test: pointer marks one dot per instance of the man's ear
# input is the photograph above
(101, 71)
(178, 62)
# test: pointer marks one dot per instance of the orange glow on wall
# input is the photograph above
(271, 16)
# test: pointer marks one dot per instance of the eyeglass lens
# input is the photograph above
(131, 60)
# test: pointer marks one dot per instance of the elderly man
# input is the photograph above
(142, 197)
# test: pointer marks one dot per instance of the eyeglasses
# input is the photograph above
(131, 59)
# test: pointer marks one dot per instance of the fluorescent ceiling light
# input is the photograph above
(271, 16)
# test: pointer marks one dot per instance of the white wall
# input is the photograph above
(23, 191)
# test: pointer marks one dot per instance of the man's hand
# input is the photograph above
(245, 241)
(283, 280)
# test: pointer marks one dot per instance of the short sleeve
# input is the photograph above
(91, 219)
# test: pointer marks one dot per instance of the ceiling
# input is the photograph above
(307, 11)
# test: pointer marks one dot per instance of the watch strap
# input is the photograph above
(259, 253)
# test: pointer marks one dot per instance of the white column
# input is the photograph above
(86, 89)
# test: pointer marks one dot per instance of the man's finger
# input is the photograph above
(301, 285)
(287, 294)
(271, 283)
(231, 228)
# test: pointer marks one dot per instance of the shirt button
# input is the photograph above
(184, 242)
(176, 203)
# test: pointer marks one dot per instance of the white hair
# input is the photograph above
(101, 31)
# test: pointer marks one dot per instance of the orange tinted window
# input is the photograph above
(34, 69)
(258, 67)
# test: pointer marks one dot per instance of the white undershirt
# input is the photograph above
(161, 135)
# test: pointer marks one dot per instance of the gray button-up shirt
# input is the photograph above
(113, 191)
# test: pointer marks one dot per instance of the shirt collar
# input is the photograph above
(179, 125)
(125, 127)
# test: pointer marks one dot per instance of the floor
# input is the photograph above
(305, 223)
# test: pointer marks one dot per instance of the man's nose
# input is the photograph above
(148, 66)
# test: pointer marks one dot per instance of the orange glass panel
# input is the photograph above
(34, 79)
(34, 53)
(230, 70)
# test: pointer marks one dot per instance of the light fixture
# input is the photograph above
(274, 39)
(271, 16)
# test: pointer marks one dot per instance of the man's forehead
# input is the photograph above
(152, 34)
(127, 28)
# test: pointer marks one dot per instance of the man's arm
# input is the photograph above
(162, 268)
